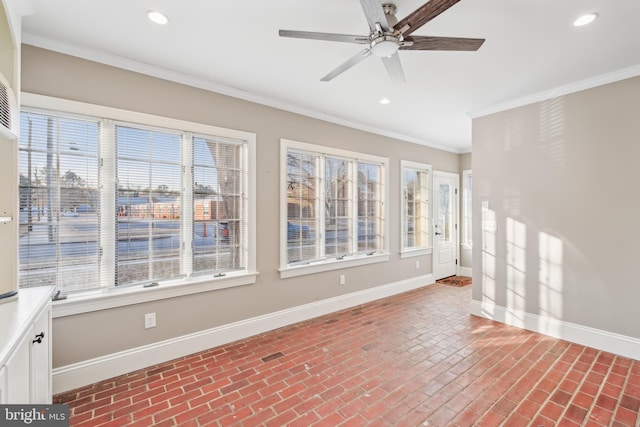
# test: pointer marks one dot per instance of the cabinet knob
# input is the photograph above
(39, 338)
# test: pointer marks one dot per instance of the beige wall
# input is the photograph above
(465, 162)
(86, 336)
(6, 47)
(559, 178)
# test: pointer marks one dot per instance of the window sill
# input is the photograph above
(332, 264)
(118, 297)
(410, 253)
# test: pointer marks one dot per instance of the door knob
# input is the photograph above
(438, 234)
(39, 338)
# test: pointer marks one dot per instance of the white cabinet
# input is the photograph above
(25, 347)
(41, 387)
(17, 367)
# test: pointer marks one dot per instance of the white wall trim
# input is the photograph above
(105, 298)
(411, 253)
(578, 86)
(602, 340)
(332, 264)
(100, 368)
(177, 77)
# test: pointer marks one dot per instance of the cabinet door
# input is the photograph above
(41, 359)
(17, 372)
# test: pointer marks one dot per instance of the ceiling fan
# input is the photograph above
(388, 35)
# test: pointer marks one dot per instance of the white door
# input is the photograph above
(445, 224)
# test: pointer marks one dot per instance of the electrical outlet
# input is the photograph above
(149, 320)
(417, 265)
(342, 279)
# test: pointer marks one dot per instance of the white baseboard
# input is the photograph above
(89, 371)
(464, 271)
(602, 340)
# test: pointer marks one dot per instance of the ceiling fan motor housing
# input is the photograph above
(390, 12)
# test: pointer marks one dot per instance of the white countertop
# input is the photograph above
(17, 314)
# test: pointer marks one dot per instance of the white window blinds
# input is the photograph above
(107, 203)
(303, 207)
(219, 205)
(334, 205)
(415, 208)
(148, 234)
(59, 202)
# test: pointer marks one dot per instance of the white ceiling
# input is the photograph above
(233, 47)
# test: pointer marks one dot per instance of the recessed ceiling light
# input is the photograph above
(585, 19)
(384, 101)
(157, 17)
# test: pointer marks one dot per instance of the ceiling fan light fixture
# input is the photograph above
(585, 19)
(384, 46)
(157, 17)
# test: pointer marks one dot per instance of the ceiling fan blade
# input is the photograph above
(357, 58)
(347, 38)
(375, 14)
(394, 68)
(442, 43)
(422, 15)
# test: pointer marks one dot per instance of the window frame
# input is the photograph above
(414, 251)
(111, 296)
(327, 264)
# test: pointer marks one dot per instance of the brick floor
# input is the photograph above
(416, 359)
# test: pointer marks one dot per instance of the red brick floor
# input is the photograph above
(416, 359)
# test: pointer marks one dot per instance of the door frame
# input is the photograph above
(456, 217)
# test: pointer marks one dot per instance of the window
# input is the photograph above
(219, 205)
(303, 207)
(415, 208)
(59, 201)
(335, 207)
(107, 203)
(467, 191)
(149, 197)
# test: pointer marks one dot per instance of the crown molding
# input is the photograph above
(578, 86)
(211, 86)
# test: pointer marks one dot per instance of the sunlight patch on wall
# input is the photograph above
(552, 123)
(489, 228)
(511, 201)
(516, 268)
(550, 276)
(512, 135)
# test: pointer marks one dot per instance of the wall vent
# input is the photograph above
(8, 110)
